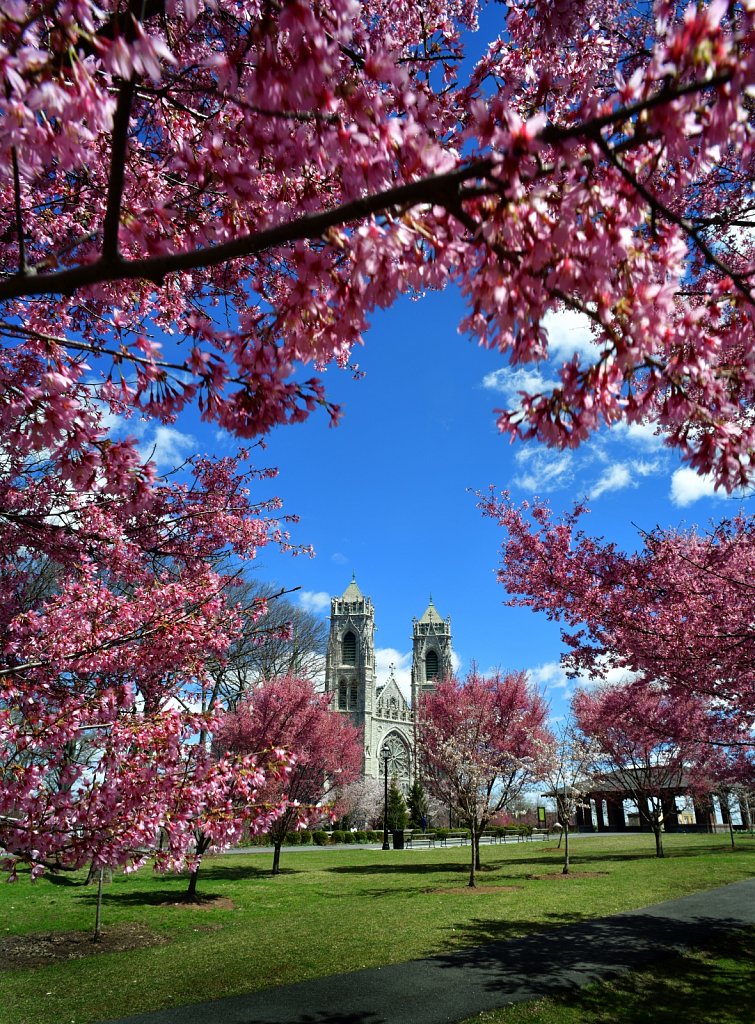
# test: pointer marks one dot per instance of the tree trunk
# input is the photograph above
(477, 852)
(565, 834)
(277, 856)
(93, 876)
(202, 844)
(98, 912)
(658, 833)
(475, 856)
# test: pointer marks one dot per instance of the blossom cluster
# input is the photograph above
(203, 198)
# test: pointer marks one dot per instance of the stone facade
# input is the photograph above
(383, 714)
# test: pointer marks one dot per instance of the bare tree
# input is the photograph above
(284, 640)
(566, 770)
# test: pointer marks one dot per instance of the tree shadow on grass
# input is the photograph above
(549, 962)
(58, 879)
(407, 868)
(578, 856)
(483, 931)
(241, 873)
(153, 897)
(706, 989)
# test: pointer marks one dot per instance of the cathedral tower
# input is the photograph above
(384, 715)
(431, 652)
(350, 661)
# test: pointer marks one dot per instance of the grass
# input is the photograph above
(329, 911)
(714, 985)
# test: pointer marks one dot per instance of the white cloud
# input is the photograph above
(550, 676)
(645, 467)
(543, 469)
(314, 600)
(112, 422)
(615, 478)
(569, 333)
(611, 677)
(385, 657)
(687, 487)
(455, 663)
(641, 434)
(168, 447)
(510, 380)
(338, 558)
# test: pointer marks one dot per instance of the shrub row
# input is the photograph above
(322, 838)
(319, 838)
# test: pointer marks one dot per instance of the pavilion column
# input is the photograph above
(616, 819)
(723, 803)
(703, 807)
(584, 818)
(602, 825)
(744, 810)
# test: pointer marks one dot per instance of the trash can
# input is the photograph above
(398, 839)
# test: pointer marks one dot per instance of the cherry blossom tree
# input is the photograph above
(200, 198)
(288, 713)
(359, 803)
(481, 740)
(114, 597)
(649, 744)
(677, 612)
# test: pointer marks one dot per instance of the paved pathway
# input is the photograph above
(453, 986)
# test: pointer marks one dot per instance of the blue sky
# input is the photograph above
(385, 495)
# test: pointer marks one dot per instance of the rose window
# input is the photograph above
(398, 758)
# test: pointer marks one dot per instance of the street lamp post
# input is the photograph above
(386, 758)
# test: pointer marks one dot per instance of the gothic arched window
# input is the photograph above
(349, 649)
(353, 695)
(431, 665)
(342, 695)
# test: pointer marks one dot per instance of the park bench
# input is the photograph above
(455, 839)
(488, 837)
(420, 839)
(540, 833)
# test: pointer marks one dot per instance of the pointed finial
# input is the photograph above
(353, 576)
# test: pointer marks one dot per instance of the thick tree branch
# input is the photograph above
(117, 179)
(440, 189)
(22, 266)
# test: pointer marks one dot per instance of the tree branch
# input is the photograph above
(441, 189)
(22, 266)
(117, 178)
(660, 208)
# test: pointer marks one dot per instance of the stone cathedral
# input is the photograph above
(383, 714)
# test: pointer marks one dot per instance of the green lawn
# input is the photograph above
(329, 911)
